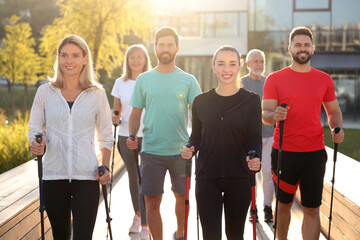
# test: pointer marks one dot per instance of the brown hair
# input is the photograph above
(167, 31)
(300, 31)
(226, 48)
(231, 49)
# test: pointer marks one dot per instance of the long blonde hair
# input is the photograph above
(87, 75)
(127, 70)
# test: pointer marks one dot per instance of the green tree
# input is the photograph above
(18, 58)
(37, 13)
(102, 23)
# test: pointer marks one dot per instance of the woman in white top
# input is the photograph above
(67, 111)
(136, 62)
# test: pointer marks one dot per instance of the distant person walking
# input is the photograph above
(304, 89)
(226, 126)
(254, 81)
(136, 62)
(66, 112)
(166, 92)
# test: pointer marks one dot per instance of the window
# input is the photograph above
(306, 5)
(313, 20)
(274, 15)
(208, 25)
(243, 25)
(225, 24)
(345, 14)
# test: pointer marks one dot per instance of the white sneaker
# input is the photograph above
(144, 234)
(135, 225)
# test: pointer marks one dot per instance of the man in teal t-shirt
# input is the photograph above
(166, 93)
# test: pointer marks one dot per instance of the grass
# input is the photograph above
(5, 99)
(350, 146)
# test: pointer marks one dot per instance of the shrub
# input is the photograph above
(14, 144)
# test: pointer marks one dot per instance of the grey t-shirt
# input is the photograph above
(257, 87)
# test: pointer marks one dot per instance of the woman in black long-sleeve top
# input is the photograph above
(226, 125)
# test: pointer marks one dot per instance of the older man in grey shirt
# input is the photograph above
(254, 81)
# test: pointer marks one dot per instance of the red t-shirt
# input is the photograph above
(304, 93)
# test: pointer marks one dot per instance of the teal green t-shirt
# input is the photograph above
(165, 97)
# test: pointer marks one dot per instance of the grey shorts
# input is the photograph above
(153, 170)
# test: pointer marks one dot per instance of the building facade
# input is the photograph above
(264, 24)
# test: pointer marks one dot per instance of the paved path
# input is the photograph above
(122, 214)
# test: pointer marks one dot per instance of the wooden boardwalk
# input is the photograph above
(122, 214)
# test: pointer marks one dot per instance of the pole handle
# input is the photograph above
(281, 127)
(282, 121)
(101, 170)
(132, 136)
(38, 137)
(116, 114)
(188, 163)
(252, 154)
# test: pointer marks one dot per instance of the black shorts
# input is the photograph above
(305, 169)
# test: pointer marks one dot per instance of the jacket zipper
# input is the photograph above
(70, 128)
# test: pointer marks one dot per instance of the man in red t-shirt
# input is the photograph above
(303, 160)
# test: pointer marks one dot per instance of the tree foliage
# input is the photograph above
(102, 23)
(19, 62)
(37, 13)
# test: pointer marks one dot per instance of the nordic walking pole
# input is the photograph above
(252, 154)
(278, 170)
(101, 171)
(38, 138)
(197, 213)
(112, 161)
(136, 155)
(336, 130)
(188, 175)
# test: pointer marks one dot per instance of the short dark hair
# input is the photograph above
(166, 31)
(300, 31)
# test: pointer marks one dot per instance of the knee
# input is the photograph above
(285, 207)
(311, 212)
(179, 196)
(152, 204)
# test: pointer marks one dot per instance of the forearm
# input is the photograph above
(105, 153)
(117, 105)
(134, 123)
(268, 117)
(335, 119)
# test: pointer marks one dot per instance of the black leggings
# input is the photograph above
(79, 197)
(211, 195)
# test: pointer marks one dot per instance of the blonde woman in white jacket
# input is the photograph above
(67, 111)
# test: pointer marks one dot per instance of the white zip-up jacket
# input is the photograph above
(70, 150)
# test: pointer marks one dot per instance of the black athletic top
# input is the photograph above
(70, 104)
(224, 129)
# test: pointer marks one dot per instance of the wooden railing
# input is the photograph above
(20, 218)
(19, 202)
(346, 203)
